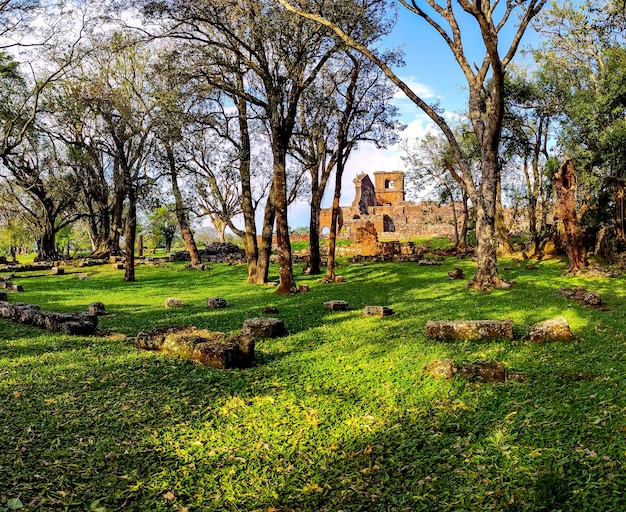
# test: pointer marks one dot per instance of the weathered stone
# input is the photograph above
(483, 371)
(173, 302)
(470, 329)
(457, 273)
(29, 314)
(580, 294)
(531, 266)
(303, 288)
(118, 266)
(57, 271)
(96, 308)
(377, 311)
(3, 296)
(264, 327)
(82, 277)
(336, 305)
(270, 310)
(339, 279)
(442, 368)
(206, 347)
(216, 303)
(428, 262)
(555, 329)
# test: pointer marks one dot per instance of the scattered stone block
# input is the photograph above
(264, 327)
(442, 368)
(580, 294)
(531, 266)
(210, 348)
(216, 303)
(483, 371)
(57, 271)
(457, 273)
(173, 302)
(96, 308)
(555, 329)
(336, 305)
(469, 329)
(303, 288)
(428, 263)
(82, 277)
(118, 266)
(339, 279)
(270, 310)
(377, 311)
(68, 323)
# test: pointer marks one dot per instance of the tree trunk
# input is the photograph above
(182, 214)
(140, 246)
(565, 187)
(504, 245)
(287, 282)
(315, 258)
(247, 203)
(486, 277)
(47, 250)
(129, 236)
(332, 236)
(265, 246)
(463, 233)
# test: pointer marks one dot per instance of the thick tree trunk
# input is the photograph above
(565, 187)
(504, 245)
(129, 237)
(315, 258)
(332, 237)
(47, 250)
(247, 203)
(486, 277)
(287, 282)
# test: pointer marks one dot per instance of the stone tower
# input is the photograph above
(389, 187)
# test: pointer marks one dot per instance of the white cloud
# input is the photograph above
(422, 90)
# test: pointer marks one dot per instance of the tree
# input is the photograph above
(485, 83)
(529, 115)
(162, 226)
(366, 113)
(588, 40)
(430, 168)
(262, 54)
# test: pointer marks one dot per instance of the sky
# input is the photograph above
(431, 71)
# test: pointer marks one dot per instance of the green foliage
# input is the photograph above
(337, 415)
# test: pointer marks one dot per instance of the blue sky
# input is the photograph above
(431, 70)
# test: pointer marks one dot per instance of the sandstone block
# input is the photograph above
(336, 305)
(470, 329)
(442, 368)
(173, 302)
(555, 329)
(96, 308)
(377, 311)
(216, 303)
(264, 327)
(201, 346)
(57, 271)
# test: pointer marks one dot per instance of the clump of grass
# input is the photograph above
(337, 415)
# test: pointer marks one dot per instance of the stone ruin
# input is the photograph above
(66, 323)
(215, 253)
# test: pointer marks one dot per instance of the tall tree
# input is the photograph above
(481, 21)
(280, 55)
(368, 115)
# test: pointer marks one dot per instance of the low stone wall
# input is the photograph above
(67, 323)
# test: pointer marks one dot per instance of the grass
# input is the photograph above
(337, 415)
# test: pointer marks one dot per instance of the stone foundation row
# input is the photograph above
(66, 323)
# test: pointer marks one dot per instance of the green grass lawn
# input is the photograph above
(336, 416)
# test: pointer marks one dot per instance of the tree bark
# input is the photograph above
(287, 282)
(565, 187)
(265, 245)
(182, 213)
(504, 245)
(315, 257)
(129, 236)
